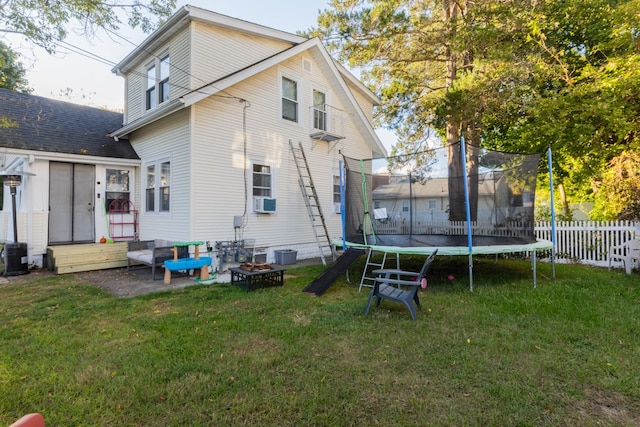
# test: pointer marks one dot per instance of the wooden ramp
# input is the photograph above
(328, 277)
(92, 256)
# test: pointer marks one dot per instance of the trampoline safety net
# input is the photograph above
(419, 200)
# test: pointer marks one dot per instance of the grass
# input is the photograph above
(565, 353)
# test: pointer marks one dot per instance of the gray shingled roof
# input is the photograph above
(60, 127)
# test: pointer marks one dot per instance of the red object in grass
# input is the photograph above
(451, 277)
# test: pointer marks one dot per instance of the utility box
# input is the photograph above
(15, 259)
(286, 256)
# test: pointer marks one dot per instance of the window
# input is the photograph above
(117, 195)
(158, 82)
(157, 193)
(289, 99)
(164, 79)
(151, 87)
(405, 206)
(336, 194)
(319, 110)
(262, 184)
(433, 204)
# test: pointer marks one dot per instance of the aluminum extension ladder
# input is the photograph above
(312, 202)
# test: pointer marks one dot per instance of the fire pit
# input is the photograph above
(251, 276)
(255, 266)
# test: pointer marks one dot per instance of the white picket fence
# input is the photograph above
(588, 242)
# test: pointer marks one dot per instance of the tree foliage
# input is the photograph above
(12, 72)
(620, 187)
(517, 75)
(45, 22)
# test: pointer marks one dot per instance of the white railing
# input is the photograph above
(588, 242)
(328, 119)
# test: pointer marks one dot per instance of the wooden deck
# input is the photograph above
(92, 256)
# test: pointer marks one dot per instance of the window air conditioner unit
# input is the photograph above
(264, 205)
(336, 208)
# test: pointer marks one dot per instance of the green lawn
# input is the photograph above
(565, 353)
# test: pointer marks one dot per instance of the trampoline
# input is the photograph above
(465, 201)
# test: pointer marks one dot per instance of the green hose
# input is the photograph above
(367, 214)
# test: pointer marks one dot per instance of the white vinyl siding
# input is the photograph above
(227, 52)
(223, 176)
(166, 141)
(179, 76)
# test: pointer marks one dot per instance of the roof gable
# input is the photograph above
(188, 13)
(47, 125)
(337, 73)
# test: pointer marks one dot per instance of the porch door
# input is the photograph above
(71, 207)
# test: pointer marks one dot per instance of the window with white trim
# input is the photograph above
(158, 187)
(405, 206)
(158, 87)
(117, 195)
(319, 110)
(163, 85)
(336, 194)
(262, 180)
(151, 88)
(433, 204)
(289, 99)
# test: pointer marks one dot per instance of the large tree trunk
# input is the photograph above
(454, 156)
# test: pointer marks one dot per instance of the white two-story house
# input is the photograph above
(212, 105)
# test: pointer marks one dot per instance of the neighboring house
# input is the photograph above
(211, 106)
(428, 201)
(203, 153)
(68, 149)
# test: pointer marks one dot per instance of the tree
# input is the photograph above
(581, 95)
(12, 73)
(621, 187)
(423, 56)
(44, 22)
(517, 75)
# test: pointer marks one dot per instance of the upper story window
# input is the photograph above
(151, 87)
(164, 79)
(319, 110)
(158, 82)
(289, 99)
(158, 189)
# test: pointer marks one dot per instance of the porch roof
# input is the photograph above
(46, 125)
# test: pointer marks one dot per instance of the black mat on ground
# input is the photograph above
(328, 277)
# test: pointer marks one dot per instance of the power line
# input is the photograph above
(95, 57)
(206, 83)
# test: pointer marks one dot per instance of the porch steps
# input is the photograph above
(86, 257)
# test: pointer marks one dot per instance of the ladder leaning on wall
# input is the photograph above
(312, 202)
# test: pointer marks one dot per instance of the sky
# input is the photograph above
(93, 83)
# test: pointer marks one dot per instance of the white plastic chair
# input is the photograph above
(627, 252)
